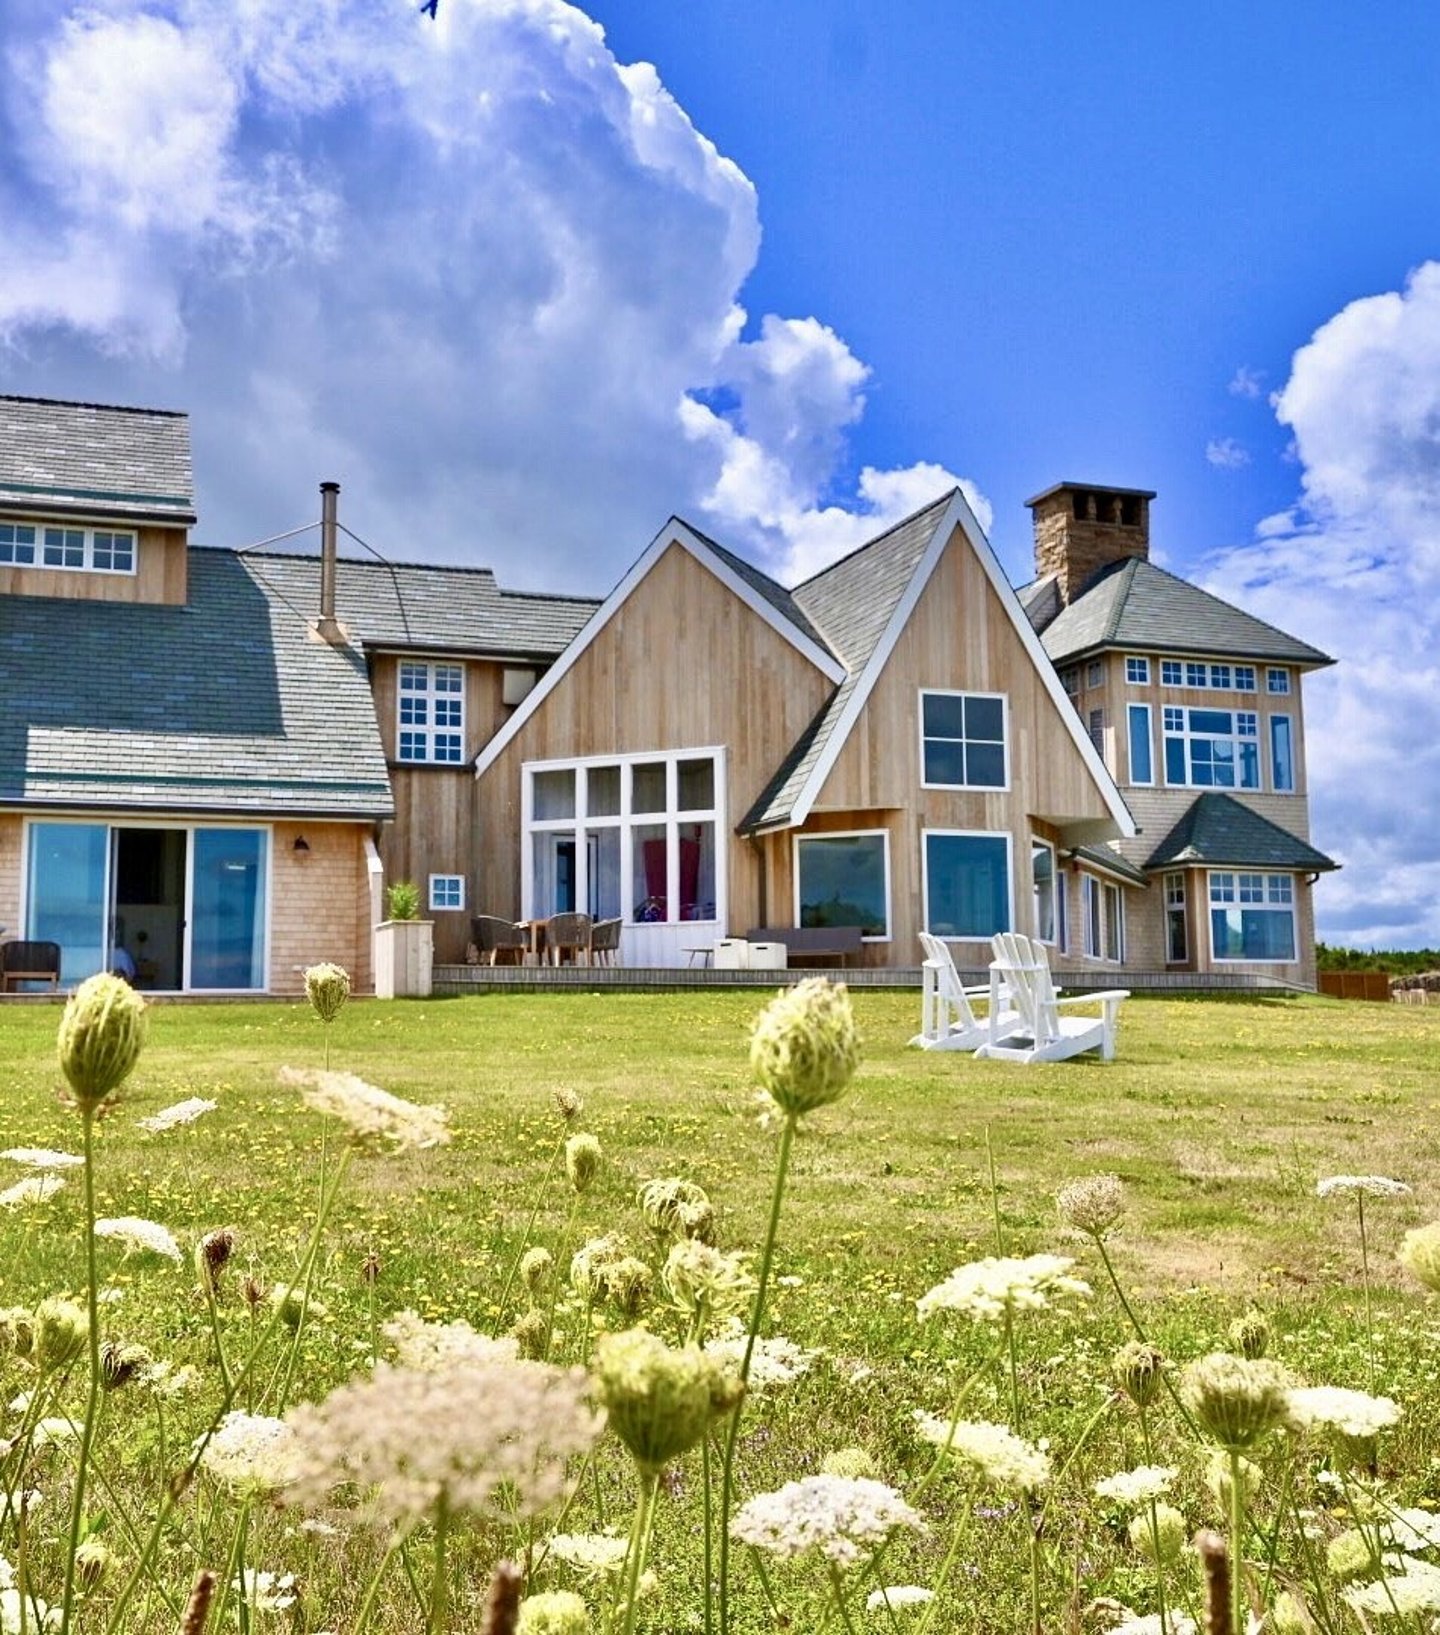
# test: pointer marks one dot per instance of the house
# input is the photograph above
(214, 758)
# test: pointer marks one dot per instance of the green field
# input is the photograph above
(1219, 1117)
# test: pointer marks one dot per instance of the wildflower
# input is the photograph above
(327, 987)
(1420, 1254)
(17, 1331)
(295, 1305)
(582, 1161)
(40, 1615)
(531, 1334)
(1375, 1186)
(33, 1189)
(569, 1105)
(849, 1462)
(267, 1592)
(1352, 1419)
(250, 1454)
(537, 1268)
(594, 1555)
(660, 1400)
(370, 1269)
(137, 1234)
(93, 1560)
(100, 1039)
(483, 1437)
(42, 1158)
(1415, 1589)
(627, 1282)
(1176, 1623)
(212, 1253)
(991, 1289)
(1217, 1478)
(843, 1518)
(553, 1612)
(183, 1112)
(1092, 1205)
(53, 1430)
(62, 1332)
(166, 1380)
(995, 1451)
(1349, 1555)
(805, 1046)
(588, 1261)
(369, 1111)
(774, 1360)
(705, 1283)
(894, 1596)
(1289, 1617)
(120, 1362)
(1138, 1369)
(252, 1291)
(1235, 1400)
(1412, 1530)
(1160, 1536)
(679, 1208)
(430, 1346)
(1139, 1486)
(1250, 1334)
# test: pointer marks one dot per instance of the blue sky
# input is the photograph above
(530, 279)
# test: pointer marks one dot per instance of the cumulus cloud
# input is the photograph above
(1226, 454)
(1354, 567)
(480, 272)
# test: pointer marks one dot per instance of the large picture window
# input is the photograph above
(967, 884)
(633, 837)
(1212, 749)
(844, 879)
(962, 740)
(431, 723)
(1252, 917)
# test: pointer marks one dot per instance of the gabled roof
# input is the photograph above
(91, 459)
(1133, 604)
(1219, 830)
(428, 608)
(230, 704)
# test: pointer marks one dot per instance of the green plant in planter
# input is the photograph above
(402, 901)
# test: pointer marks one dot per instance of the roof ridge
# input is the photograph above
(1128, 570)
(865, 545)
(109, 408)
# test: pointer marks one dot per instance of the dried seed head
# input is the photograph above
(212, 1254)
(252, 1291)
(554, 1612)
(588, 1261)
(92, 1561)
(1092, 1205)
(627, 1282)
(327, 987)
(100, 1039)
(62, 1332)
(17, 1331)
(370, 1269)
(569, 1105)
(1250, 1334)
(531, 1334)
(805, 1046)
(1139, 1369)
(1237, 1401)
(582, 1161)
(671, 1204)
(537, 1269)
(1420, 1254)
(660, 1400)
(702, 1281)
(120, 1362)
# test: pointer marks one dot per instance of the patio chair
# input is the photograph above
(499, 941)
(605, 942)
(1021, 972)
(567, 938)
(947, 1021)
(28, 962)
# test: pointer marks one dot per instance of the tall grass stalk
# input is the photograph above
(92, 1397)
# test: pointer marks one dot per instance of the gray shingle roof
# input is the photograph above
(95, 459)
(782, 600)
(1106, 857)
(1138, 606)
(850, 603)
(437, 609)
(1218, 829)
(230, 704)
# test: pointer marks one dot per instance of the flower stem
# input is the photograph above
(994, 1194)
(524, 1244)
(837, 1586)
(639, 1545)
(1365, 1288)
(1140, 1334)
(92, 1401)
(1237, 1545)
(439, 1578)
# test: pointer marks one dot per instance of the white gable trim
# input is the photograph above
(674, 532)
(959, 515)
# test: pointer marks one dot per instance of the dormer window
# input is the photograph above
(432, 713)
(55, 545)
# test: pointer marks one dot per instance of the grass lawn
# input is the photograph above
(1219, 1117)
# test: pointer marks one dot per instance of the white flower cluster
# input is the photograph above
(183, 1112)
(1377, 1186)
(139, 1234)
(1412, 1530)
(419, 1344)
(995, 1451)
(250, 1454)
(841, 1517)
(1143, 1485)
(34, 1189)
(1349, 1413)
(991, 1289)
(1414, 1589)
(774, 1360)
(897, 1595)
(266, 1592)
(594, 1555)
(369, 1111)
(42, 1158)
(1176, 1623)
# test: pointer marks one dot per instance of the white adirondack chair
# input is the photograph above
(947, 1021)
(1020, 981)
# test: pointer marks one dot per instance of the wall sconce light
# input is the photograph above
(301, 849)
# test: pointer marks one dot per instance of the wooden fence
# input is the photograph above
(1374, 985)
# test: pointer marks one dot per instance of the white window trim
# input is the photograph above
(1057, 889)
(1171, 905)
(1110, 893)
(1208, 683)
(979, 834)
(1270, 749)
(625, 820)
(966, 692)
(843, 834)
(431, 697)
(1143, 663)
(1234, 737)
(88, 530)
(1130, 711)
(1292, 908)
(1090, 885)
(446, 908)
(1274, 673)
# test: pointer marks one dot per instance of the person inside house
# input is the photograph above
(122, 965)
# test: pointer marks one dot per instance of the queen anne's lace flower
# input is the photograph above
(1412, 1530)
(893, 1596)
(183, 1112)
(1414, 1589)
(1176, 1623)
(34, 1189)
(989, 1290)
(595, 1555)
(1376, 1186)
(1236, 1400)
(774, 1360)
(1092, 1205)
(42, 1158)
(250, 1454)
(841, 1517)
(419, 1344)
(806, 1047)
(1139, 1486)
(1351, 1414)
(995, 1451)
(136, 1233)
(367, 1110)
(267, 1592)
(1419, 1254)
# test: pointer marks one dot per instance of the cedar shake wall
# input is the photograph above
(11, 846)
(320, 908)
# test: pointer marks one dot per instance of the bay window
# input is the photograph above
(1252, 917)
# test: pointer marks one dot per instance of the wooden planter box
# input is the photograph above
(404, 958)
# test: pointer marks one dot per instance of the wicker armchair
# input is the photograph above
(567, 938)
(605, 942)
(501, 942)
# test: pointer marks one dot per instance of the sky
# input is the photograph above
(527, 279)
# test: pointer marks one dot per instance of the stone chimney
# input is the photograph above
(1080, 529)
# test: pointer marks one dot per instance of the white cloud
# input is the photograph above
(1354, 567)
(480, 272)
(1226, 454)
(1246, 382)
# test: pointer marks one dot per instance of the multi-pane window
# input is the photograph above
(1172, 673)
(447, 891)
(1277, 681)
(1282, 756)
(112, 552)
(1252, 916)
(1142, 768)
(1096, 727)
(1094, 673)
(1197, 675)
(843, 879)
(1176, 931)
(1244, 678)
(1137, 671)
(967, 884)
(1212, 749)
(1070, 681)
(962, 740)
(1104, 914)
(17, 542)
(64, 548)
(432, 712)
(1238, 678)
(101, 550)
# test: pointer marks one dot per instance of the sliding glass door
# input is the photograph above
(68, 894)
(227, 908)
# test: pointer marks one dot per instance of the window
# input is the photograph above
(1172, 673)
(113, 553)
(1094, 673)
(447, 891)
(1282, 759)
(432, 713)
(49, 545)
(1177, 936)
(1212, 749)
(844, 879)
(1047, 888)
(64, 548)
(1142, 768)
(962, 741)
(1137, 672)
(630, 837)
(1277, 681)
(1114, 924)
(1070, 681)
(17, 542)
(1096, 727)
(1244, 678)
(1104, 912)
(1090, 904)
(1196, 675)
(1252, 917)
(1220, 675)
(967, 884)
